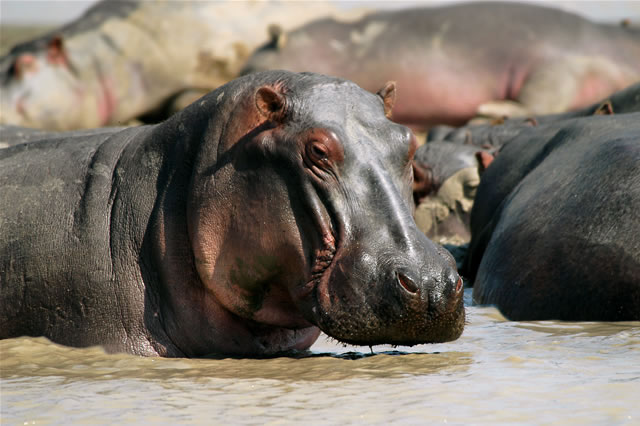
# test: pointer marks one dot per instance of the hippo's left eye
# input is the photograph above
(318, 152)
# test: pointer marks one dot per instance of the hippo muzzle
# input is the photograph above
(385, 282)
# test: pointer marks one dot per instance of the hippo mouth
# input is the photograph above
(326, 224)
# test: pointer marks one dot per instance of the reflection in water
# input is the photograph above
(498, 371)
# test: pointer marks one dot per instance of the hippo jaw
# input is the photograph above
(395, 304)
(292, 176)
(400, 307)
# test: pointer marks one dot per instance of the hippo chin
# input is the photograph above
(275, 207)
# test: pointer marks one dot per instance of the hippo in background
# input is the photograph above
(496, 133)
(446, 177)
(555, 223)
(277, 206)
(451, 62)
(447, 171)
(130, 58)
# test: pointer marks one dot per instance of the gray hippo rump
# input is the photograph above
(130, 58)
(555, 223)
(452, 62)
(276, 206)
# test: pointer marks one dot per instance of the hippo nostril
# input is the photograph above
(407, 283)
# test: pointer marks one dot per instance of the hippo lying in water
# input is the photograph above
(277, 206)
(447, 170)
(454, 61)
(495, 134)
(126, 58)
(555, 223)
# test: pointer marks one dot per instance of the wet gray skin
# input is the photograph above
(277, 206)
(555, 224)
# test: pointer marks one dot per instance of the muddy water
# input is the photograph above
(498, 371)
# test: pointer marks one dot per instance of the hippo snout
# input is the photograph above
(437, 293)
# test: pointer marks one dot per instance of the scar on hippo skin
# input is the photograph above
(388, 95)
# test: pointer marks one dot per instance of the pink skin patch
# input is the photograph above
(592, 89)
(107, 102)
(25, 64)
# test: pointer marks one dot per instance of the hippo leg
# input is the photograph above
(559, 86)
(577, 80)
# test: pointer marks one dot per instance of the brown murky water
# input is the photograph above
(498, 371)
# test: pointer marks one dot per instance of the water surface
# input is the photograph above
(543, 372)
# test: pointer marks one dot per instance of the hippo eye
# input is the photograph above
(317, 151)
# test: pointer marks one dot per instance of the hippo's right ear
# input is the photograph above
(484, 160)
(271, 103)
(388, 95)
(56, 52)
(277, 37)
(606, 108)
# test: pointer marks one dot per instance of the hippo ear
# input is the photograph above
(56, 53)
(270, 103)
(277, 36)
(606, 108)
(484, 160)
(388, 95)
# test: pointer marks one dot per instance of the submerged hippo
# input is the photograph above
(497, 133)
(277, 206)
(454, 61)
(555, 223)
(123, 59)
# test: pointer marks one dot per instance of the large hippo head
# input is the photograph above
(300, 214)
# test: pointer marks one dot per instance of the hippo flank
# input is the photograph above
(276, 206)
(455, 61)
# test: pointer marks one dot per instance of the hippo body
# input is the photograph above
(494, 135)
(453, 61)
(555, 223)
(128, 58)
(233, 228)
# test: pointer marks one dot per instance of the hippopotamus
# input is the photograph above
(273, 208)
(446, 177)
(497, 132)
(134, 59)
(455, 61)
(555, 223)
